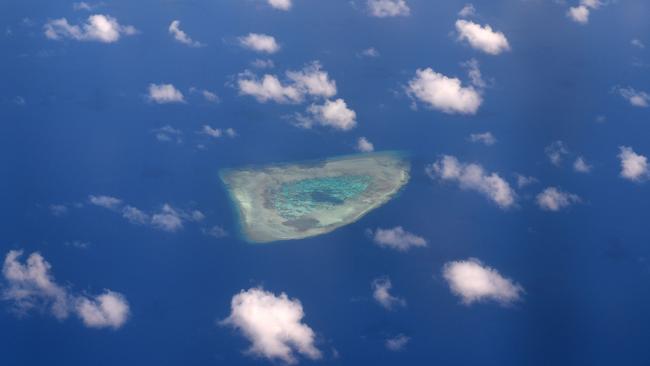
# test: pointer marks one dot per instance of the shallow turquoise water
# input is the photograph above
(295, 199)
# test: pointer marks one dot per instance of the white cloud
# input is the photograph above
(105, 201)
(397, 343)
(263, 64)
(482, 38)
(443, 93)
(206, 94)
(523, 181)
(269, 88)
(168, 133)
(381, 293)
(280, 4)
(473, 177)
(467, 11)
(31, 285)
(369, 52)
(475, 282)
(637, 43)
(230, 132)
(397, 238)
(474, 73)
(581, 166)
(313, 81)
(85, 6)
(364, 145)
(165, 93)
(636, 98)
(556, 152)
(634, 166)
(216, 232)
(388, 8)
(334, 114)
(485, 138)
(212, 132)
(135, 215)
(259, 43)
(109, 309)
(553, 199)
(100, 28)
(167, 219)
(58, 210)
(180, 36)
(579, 14)
(273, 324)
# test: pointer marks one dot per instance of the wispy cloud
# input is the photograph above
(472, 176)
(31, 285)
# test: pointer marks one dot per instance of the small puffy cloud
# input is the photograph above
(268, 89)
(473, 282)
(108, 310)
(473, 177)
(485, 138)
(259, 43)
(312, 80)
(210, 131)
(105, 201)
(467, 11)
(556, 152)
(309, 81)
(364, 145)
(397, 343)
(523, 181)
(388, 8)
(634, 166)
(135, 216)
(335, 114)
(165, 93)
(580, 165)
(31, 285)
(100, 28)
(180, 36)
(280, 4)
(230, 132)
(636, 98)
(553, 199)
(167, 219)
(580, 13)
(637, 43)
(443, 93)
(273, 324)
(397, 238)
(369, 52)
(482, 38)
(381, 293)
